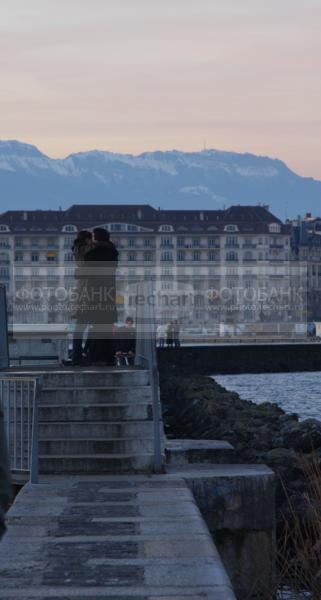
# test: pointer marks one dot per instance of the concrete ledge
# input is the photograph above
(232, 496)
(238, 505)
(183, 452)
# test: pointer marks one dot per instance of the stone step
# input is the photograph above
(85, 378)
(91, 430)
(184, 451)
(96, 446)
(96, 395)
(96, 463)
(93, 412)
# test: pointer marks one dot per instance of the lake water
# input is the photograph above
(295, 392)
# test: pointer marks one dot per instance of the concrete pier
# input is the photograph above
(99, 524)
(115, 537)
(238, 357)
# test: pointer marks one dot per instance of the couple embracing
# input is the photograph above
(95, 292)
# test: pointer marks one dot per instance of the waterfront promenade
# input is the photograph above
(115, 537)
(99, 523)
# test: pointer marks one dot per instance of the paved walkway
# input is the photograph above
(115, 537)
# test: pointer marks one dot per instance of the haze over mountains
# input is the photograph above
(209, 179)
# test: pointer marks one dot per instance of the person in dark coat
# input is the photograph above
(170, 335)
(101, 263)
(82, 244)
(5, 478)
(176, 331)
(126, 342)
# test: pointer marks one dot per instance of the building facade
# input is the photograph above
(209, 269)
(306, 248)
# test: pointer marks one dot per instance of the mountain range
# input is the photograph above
(209, 179)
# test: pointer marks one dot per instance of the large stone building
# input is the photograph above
(306, 248)
(206, 267)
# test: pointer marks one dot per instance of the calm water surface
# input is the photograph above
(295, 392)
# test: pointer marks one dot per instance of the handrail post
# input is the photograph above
(34, 464)
(156, 422)
(146, 353)
(154, 383)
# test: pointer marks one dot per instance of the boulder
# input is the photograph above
(304, 436)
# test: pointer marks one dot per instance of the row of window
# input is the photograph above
(181, 240)
(165, 256)
(273, 227)
(211, 256)
(35, 258)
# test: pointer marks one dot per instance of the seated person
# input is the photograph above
(126, 343)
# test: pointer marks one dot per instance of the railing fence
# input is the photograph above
(19, 404)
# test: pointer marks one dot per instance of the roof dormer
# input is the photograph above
(275, 228)
(69, 229)
(166, 228)
(231, 228)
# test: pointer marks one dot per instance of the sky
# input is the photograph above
(140, 75)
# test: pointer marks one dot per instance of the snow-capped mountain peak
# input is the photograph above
(210, 178)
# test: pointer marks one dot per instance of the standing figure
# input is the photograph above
(82, 244)
(170, 334)
(101, 263)
(161, 335)
(176, 332)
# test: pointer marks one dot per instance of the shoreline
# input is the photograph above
(298, 393)
(197, 407)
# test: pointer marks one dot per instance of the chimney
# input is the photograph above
(308, 215)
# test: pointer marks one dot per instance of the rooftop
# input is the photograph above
(247, 218)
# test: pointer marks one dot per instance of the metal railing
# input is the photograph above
(19, 404)
(146, 357)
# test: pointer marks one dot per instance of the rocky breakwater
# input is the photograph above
(198, 407)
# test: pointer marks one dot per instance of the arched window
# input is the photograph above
(70, 228)
(166, 256)
(231, 228)
(165, 228)
(231, 256)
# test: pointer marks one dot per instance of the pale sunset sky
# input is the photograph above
(140, 75)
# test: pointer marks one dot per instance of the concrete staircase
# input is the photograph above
(96, 421)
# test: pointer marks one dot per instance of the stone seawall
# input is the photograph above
(197, 407)
(242, 358)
